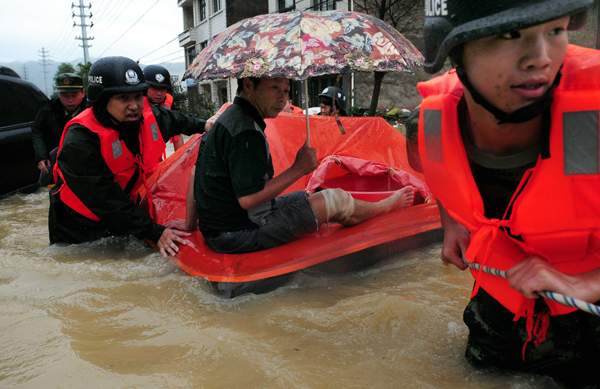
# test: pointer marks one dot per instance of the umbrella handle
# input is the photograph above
(306, 109)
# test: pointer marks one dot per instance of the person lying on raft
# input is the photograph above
(106, 154)
(237, 205)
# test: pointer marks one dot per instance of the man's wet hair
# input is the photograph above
(240, 82)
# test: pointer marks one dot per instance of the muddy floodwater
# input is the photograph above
(115, 314)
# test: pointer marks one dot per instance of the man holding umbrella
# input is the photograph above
(236, 194)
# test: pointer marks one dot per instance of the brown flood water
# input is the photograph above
(115, 314)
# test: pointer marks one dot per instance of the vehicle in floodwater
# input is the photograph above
(20, 102)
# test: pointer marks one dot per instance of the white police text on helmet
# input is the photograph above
(94, 79)
(436, 8)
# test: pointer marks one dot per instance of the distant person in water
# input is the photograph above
(237, 204)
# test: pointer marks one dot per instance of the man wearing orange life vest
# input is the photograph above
(508, 142)
(105, 155)
(158, 79)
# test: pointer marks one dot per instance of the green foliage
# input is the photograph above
(190, 101)
(83, 71)
(64, 68)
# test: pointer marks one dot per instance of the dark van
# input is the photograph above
(20, 102)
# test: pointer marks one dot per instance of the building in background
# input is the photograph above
(203, 20)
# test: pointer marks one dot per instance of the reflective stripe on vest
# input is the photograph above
(581, 146)
(557, 214)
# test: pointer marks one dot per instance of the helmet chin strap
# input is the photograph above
(521, 115)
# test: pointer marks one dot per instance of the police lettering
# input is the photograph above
(95, 79)
(436, 8)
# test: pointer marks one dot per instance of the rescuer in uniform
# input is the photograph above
(105, 155)
(326, 101)
(508, 143)
(51, 119)
(159, 85)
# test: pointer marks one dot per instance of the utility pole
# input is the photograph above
(83, 38)
(44, 55)
(25, 75)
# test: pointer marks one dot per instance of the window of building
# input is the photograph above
(203, 45)
(190, 54)
(217, 5)
(324, 5)
(287, 5)
(202, 10)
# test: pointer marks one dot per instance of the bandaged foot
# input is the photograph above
(339, 205)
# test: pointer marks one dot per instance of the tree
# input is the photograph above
(192, 102)
(64, 68)
(83, 71)
(406, 16)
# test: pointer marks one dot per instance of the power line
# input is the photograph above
(130, 27)
(157, 49)
(169, 60)
(113, 15)
(166, 55)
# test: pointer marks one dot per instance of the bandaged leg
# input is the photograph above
(339, 205)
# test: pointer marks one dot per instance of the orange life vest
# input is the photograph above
(168, 103)
(297, 110)
(119, 159)
(557, 209)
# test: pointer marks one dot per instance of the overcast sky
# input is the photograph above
(28, 25)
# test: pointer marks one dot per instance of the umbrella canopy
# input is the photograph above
(304, 44)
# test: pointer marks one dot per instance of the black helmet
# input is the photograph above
(69, 82)
(340, 97)
(449, 23)
(111, 75)
(157, 76)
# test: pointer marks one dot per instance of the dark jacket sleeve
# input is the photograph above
(412, 140)
(85, 171)
(173, 123)
(40, 133)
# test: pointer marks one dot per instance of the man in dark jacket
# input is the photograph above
(51, 119)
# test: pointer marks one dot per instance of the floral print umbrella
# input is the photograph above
(304, 44)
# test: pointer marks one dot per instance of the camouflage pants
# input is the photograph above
(570, 353)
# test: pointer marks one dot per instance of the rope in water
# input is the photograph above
(559, 298)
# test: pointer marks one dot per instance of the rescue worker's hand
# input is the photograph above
(211, 121)
(535, 274)
(43, 165)
(306, 160)
(167, 244)
(456, 240)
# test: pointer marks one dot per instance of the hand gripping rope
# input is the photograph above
(559, 298)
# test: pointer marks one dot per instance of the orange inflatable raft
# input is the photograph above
(369, 161)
